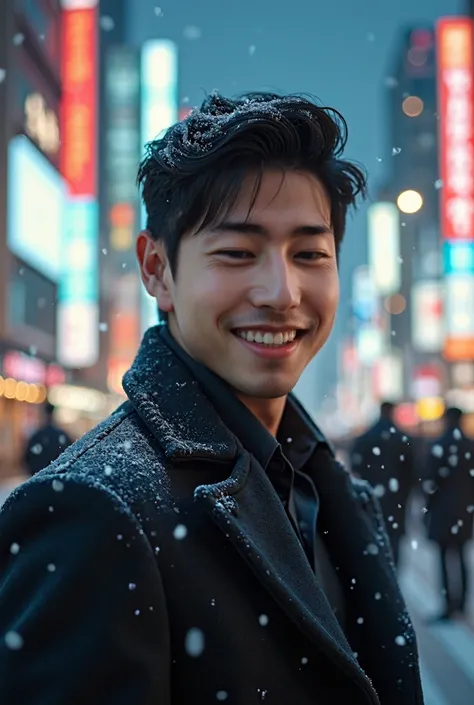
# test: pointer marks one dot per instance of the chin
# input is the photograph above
(267, 389)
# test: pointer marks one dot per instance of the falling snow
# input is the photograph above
(194, 642)
(15, 548)
(395, 151)
(222, 695)
(57, 485)
(192, 32)
(437, 451)
(400, 640)
(13, 640)
(252, 49)
(18, 39)
(263, 620)
(3, 74)
(393, 484)
(107, 23)
(180, 532)
(376, 451)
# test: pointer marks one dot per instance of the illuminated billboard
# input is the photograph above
(79, 109)
(459, 319)
(36, 198)
(78, 310)
(456, 125)
(384, 247)
(78, 314)
(427, 322)
(159, 110)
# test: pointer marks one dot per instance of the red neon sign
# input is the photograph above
(456, 116)
(79, 109)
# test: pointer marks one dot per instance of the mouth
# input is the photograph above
(271, 344)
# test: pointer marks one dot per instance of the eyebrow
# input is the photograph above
(246, 227)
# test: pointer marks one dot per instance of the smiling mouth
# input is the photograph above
(267, 339)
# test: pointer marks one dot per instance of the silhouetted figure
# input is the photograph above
(449, 485)
(46, 444)
(383, 456)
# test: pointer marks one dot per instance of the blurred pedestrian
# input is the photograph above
(203, 544)
(46, 444)
(449, 485)
(384, 456)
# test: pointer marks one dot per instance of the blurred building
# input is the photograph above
(31, 193)
(413, 306)
(49, 248)
(416, 310)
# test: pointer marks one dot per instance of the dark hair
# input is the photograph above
(48, 408)
(191, 176)
(387, 408)
(453, 415)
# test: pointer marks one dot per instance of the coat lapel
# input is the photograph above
(245, 506)
(250, 513)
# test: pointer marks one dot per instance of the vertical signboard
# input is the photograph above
(159, 110)
(427, 333)
(78, 310)
(456, 118)
(384, 247)
(122, 154)
(455, 37)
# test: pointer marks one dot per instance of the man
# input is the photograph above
(449, 484)
(384, 456)
(46, 444)
(206, 546)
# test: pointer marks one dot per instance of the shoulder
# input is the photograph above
(119, 459)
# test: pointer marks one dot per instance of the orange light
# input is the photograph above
(395, 304)
(412, 106)
(459, 349)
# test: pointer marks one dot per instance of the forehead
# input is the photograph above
(282, 194)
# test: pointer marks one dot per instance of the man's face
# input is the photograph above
(254, 297)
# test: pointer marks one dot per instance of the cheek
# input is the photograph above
(325, 294)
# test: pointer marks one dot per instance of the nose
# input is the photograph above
(276, 285)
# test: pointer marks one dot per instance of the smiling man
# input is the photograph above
(202, 544)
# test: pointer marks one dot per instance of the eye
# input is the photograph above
(312, 256)
(235, 254)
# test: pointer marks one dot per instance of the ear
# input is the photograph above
(155, 269)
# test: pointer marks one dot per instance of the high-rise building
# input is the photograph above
(413, 184)
(31, 195)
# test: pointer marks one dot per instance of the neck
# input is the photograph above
(268, 411)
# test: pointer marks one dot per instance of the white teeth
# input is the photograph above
(267, 338)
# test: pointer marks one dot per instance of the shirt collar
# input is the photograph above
(297, 435)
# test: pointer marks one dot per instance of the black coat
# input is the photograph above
(153, 563)
(385, 457)
(449, 485)
(44, 446)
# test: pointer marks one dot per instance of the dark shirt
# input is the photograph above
(283, 458)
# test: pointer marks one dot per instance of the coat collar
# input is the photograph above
(173, 406)
(167, 398)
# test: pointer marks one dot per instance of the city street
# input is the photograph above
(447, 649)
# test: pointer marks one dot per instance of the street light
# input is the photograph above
(410, 201)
